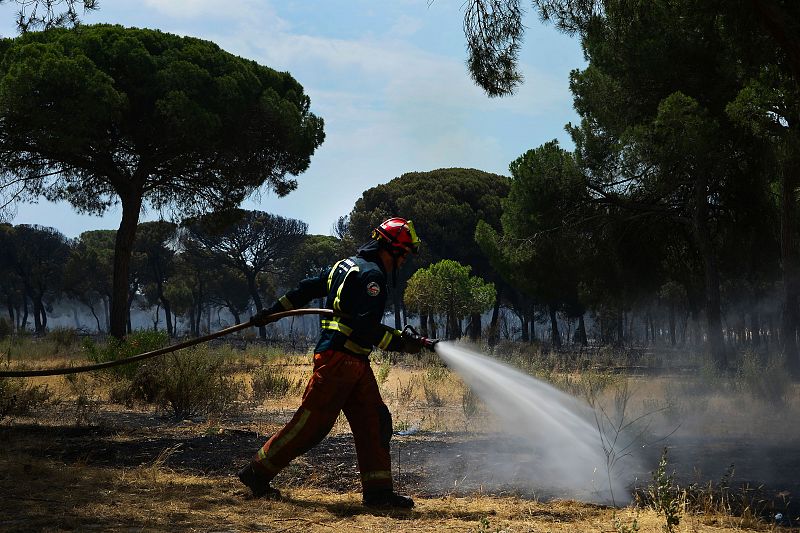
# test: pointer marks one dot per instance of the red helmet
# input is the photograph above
(398, 235)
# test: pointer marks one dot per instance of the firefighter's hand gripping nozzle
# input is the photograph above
(413, 342)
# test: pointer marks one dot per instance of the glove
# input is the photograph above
(413, 342)
(265, 316)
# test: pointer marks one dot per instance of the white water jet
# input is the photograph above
(557, 432)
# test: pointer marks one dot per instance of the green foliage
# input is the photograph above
(136, 343)
(78, 109)
(270, 382)
(383, 371)
(622, 527)
(192, 382)
(665, 495)
(445, 205)
(447, 288)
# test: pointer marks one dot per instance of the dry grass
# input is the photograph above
(42, 494)
(152, 498)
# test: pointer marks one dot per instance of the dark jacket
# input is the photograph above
(355, 288)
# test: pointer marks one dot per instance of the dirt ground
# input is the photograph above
(134, 470)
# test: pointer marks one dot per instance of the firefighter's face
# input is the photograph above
(402, 259)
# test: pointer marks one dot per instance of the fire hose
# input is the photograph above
(408, 330)
(154, 353)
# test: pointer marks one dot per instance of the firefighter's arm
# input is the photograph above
(369, 293)
(306, 290)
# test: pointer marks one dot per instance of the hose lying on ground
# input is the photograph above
(154, 353)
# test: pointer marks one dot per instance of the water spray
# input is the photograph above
(556, 431)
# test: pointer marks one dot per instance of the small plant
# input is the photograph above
(189, 383)
(436, 373)
(270, 382)
(17, 398)
(664, 495)
(84, 389)
(470, 403)
(134, 344)
(765, 380)
(432, 396)
(623, 527)
(64, 338)
(405, 393)
(383, 371)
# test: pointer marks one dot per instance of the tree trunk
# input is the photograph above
(475, 327)
(24, 324)
(702, 233)
(423, 325)
(165, 304)
(580, 334)
(672, 323)
(96, 318)
(10, 307)
(43, 311)
(251, 286)
(433, 329)
(37, 317)
(131, 206)
(495, 315)
(396, 301)
(524, 329)
(555, 335)
(755, 328)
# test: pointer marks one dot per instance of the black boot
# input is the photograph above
(387, 499)
(258, 483)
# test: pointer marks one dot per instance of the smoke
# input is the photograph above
(549, 443)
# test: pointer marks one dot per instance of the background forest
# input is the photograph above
(673, 220)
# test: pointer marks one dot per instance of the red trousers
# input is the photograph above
(341, 382)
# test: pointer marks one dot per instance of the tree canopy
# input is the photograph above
(102, 114)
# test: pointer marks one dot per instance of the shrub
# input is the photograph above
(5, 328)
(63, 337)
(192, 382)
(17, 398)
(270, 382)
(763, 380)
(84, 388)
(383, 371)
(134, 344)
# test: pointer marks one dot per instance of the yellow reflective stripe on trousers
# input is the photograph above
(376, 474)
(387, 338)
(292, 433)
(336, 326)
(356, 348)
(284, 301)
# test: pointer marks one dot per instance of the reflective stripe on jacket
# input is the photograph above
(355, 288)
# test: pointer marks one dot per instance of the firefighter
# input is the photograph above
(342, 380)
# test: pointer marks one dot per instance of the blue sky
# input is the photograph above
(387, 76)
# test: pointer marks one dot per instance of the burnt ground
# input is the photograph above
(425, 464)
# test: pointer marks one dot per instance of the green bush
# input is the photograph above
(17, 398)
(270, 382)
(63, 337)
(134, 344)
(190, 382)
(765, 380)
